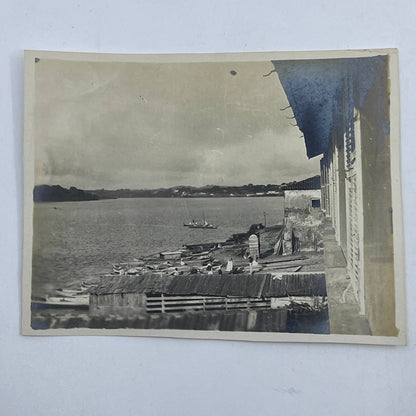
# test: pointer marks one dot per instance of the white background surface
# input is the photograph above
(138, 376)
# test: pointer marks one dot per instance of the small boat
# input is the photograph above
(61, 302)
(201, 226)
(68, 299)
(85, 286)
(69, 293)
(205, 225)
(133, 271)
(117, 269)
(171, 254)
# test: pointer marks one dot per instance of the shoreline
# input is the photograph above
(294, 314)
(163, 197)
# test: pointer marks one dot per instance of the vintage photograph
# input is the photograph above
(232, 196)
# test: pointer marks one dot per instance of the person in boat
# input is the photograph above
(209, 269)
(205, 223)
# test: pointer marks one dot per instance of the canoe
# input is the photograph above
(171, 254)
(70, 293)
(61, 302)
(201, 226)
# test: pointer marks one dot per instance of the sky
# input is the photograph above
(151, 125)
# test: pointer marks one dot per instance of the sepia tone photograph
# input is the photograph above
(232, 196)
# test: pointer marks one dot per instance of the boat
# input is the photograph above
(61, 302)
(82, 299)
(134, 270)
(204, 225)
(176, 254)
(85, 286)
(69, 293)
(117, 269)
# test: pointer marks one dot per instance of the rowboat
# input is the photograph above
(202, 226)
(61, 302)
(69, 293)
(171, 254)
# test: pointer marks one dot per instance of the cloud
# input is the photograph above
(151, 125)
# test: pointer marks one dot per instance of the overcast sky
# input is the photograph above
(137, 125)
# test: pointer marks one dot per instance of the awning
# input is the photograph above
(319, 92)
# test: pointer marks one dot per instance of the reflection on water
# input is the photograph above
(317, 323)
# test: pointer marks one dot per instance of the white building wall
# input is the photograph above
(354, 205)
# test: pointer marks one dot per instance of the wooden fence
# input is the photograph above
(165, 303)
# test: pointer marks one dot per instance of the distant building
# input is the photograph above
(303, 222)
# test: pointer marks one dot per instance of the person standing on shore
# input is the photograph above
(230, 265)
(250, 263)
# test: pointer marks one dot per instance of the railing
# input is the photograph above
(165, 303)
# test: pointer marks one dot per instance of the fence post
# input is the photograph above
(162, 301)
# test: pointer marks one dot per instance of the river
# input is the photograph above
(77, 241)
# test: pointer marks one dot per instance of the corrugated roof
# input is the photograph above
(241, 285)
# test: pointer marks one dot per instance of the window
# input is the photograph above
(316, 203)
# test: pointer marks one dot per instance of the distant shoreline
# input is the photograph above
(167, 197)
(56, 193)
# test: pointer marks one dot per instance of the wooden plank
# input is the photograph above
(234, 285)
(184, 308)
(169, 298)
(218, 306)
(212, 285)
(283, 259)
(255, 285)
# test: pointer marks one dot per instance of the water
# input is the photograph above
(78, 241)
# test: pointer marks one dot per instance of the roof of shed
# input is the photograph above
(239, 285)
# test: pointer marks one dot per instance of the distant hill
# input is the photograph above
(192, 192)
(44, 193)
(55, 193)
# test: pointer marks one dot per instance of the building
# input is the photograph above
(215, 302)
(303, 222)
(309, 183)
(342, 107)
